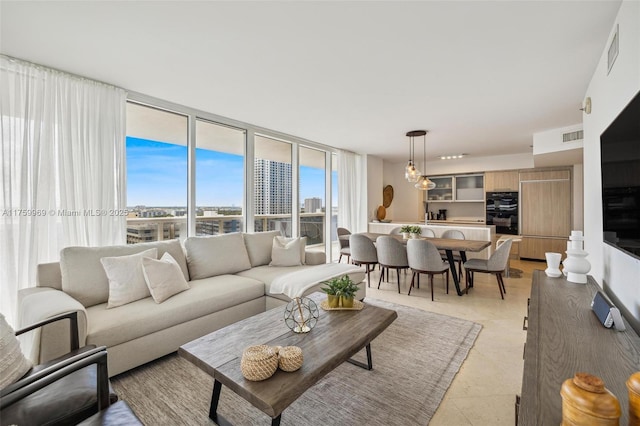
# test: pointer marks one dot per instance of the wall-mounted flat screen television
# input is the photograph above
(620, 157)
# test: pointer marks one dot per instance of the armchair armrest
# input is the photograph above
(45, 377)
(73, 327)
(44, 341)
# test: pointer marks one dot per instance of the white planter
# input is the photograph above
(405, 235)
(553, 264)
(414, 236)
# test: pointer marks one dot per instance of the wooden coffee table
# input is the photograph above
(337, 336)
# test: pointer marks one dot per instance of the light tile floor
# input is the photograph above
(484, 390)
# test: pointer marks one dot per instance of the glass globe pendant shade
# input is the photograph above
(425, 184)
(413, 175)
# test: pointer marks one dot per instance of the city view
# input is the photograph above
(157, 194)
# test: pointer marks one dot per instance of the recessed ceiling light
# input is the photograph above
(453, 156)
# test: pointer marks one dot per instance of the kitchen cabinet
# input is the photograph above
(508, 181)
(545, 212)
(457, 188)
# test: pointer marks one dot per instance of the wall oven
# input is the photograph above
(502, 211)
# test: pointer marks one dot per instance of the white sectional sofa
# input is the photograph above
(229, 278)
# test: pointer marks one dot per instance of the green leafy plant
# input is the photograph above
(333, 286)
(340, 286)
(406, 228)
(415, 230)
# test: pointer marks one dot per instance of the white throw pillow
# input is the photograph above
(126, 279)
(13, 364)
(287, 251)
(164, 277)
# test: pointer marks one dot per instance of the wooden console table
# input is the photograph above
(564, 337)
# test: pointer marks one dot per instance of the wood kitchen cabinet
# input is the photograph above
(545, 211)
(501, 181)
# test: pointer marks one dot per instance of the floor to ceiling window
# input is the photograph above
(156, 174)
(219, 178)
(191, 173)
(273, 185)
(312, 189)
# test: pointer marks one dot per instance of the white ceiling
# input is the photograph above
(481, 76)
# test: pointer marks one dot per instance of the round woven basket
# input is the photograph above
(259, 362)
(290, 358)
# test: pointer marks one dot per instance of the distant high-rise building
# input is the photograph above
(272, 187)
(312, 205)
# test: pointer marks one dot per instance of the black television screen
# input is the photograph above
(620, 157)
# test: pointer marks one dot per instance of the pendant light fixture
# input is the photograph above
(423, 181)
(410, 172)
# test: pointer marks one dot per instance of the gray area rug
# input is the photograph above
(414, 363)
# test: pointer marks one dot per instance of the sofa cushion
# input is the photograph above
(126, 278)
(111, 327)
(83, 276)
(216, 255)
(163, 277)
(286, 252)
(259, 246)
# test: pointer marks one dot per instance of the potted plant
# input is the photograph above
(415, 231)
(347, 292)
(340, 292)
(333, 290)
(405, 230)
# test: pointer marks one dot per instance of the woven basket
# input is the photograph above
(259, 362)
(290, 358)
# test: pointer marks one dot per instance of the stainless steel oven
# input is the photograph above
(502, 211)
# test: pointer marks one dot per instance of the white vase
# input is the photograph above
(414, 236)
(553, 264)
(577, 266)
(405, 235)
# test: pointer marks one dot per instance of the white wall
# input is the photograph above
(551, 140)
(374, 186)
(609, 95)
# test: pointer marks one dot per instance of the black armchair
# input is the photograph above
(63, 391)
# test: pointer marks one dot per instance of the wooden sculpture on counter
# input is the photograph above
(633, 384)
(586, 402)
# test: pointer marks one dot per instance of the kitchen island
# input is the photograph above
(478, 232)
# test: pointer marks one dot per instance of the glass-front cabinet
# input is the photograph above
(470, 188)
(457, 188)
(443, 190)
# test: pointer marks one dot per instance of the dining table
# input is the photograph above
(449, 245)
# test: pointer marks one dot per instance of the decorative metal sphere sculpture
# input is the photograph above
(301, 315)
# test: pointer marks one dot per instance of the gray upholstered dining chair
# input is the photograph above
(424, 258)
(363, 252)
(496, 264)
(453, 234)
(395, 231)
(344, 244)
(391, 255)
(427, 232)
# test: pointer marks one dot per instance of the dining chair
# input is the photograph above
(395, 231)
(363, 252)
(496, 264)
(453, 234)
(427, 232)
(344, 244)
(391, 255)
(424, 258)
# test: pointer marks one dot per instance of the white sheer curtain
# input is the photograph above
(63, 169)
(352, 192)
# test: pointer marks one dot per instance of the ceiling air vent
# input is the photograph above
(578, 135)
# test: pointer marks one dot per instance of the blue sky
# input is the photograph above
(157, 176)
